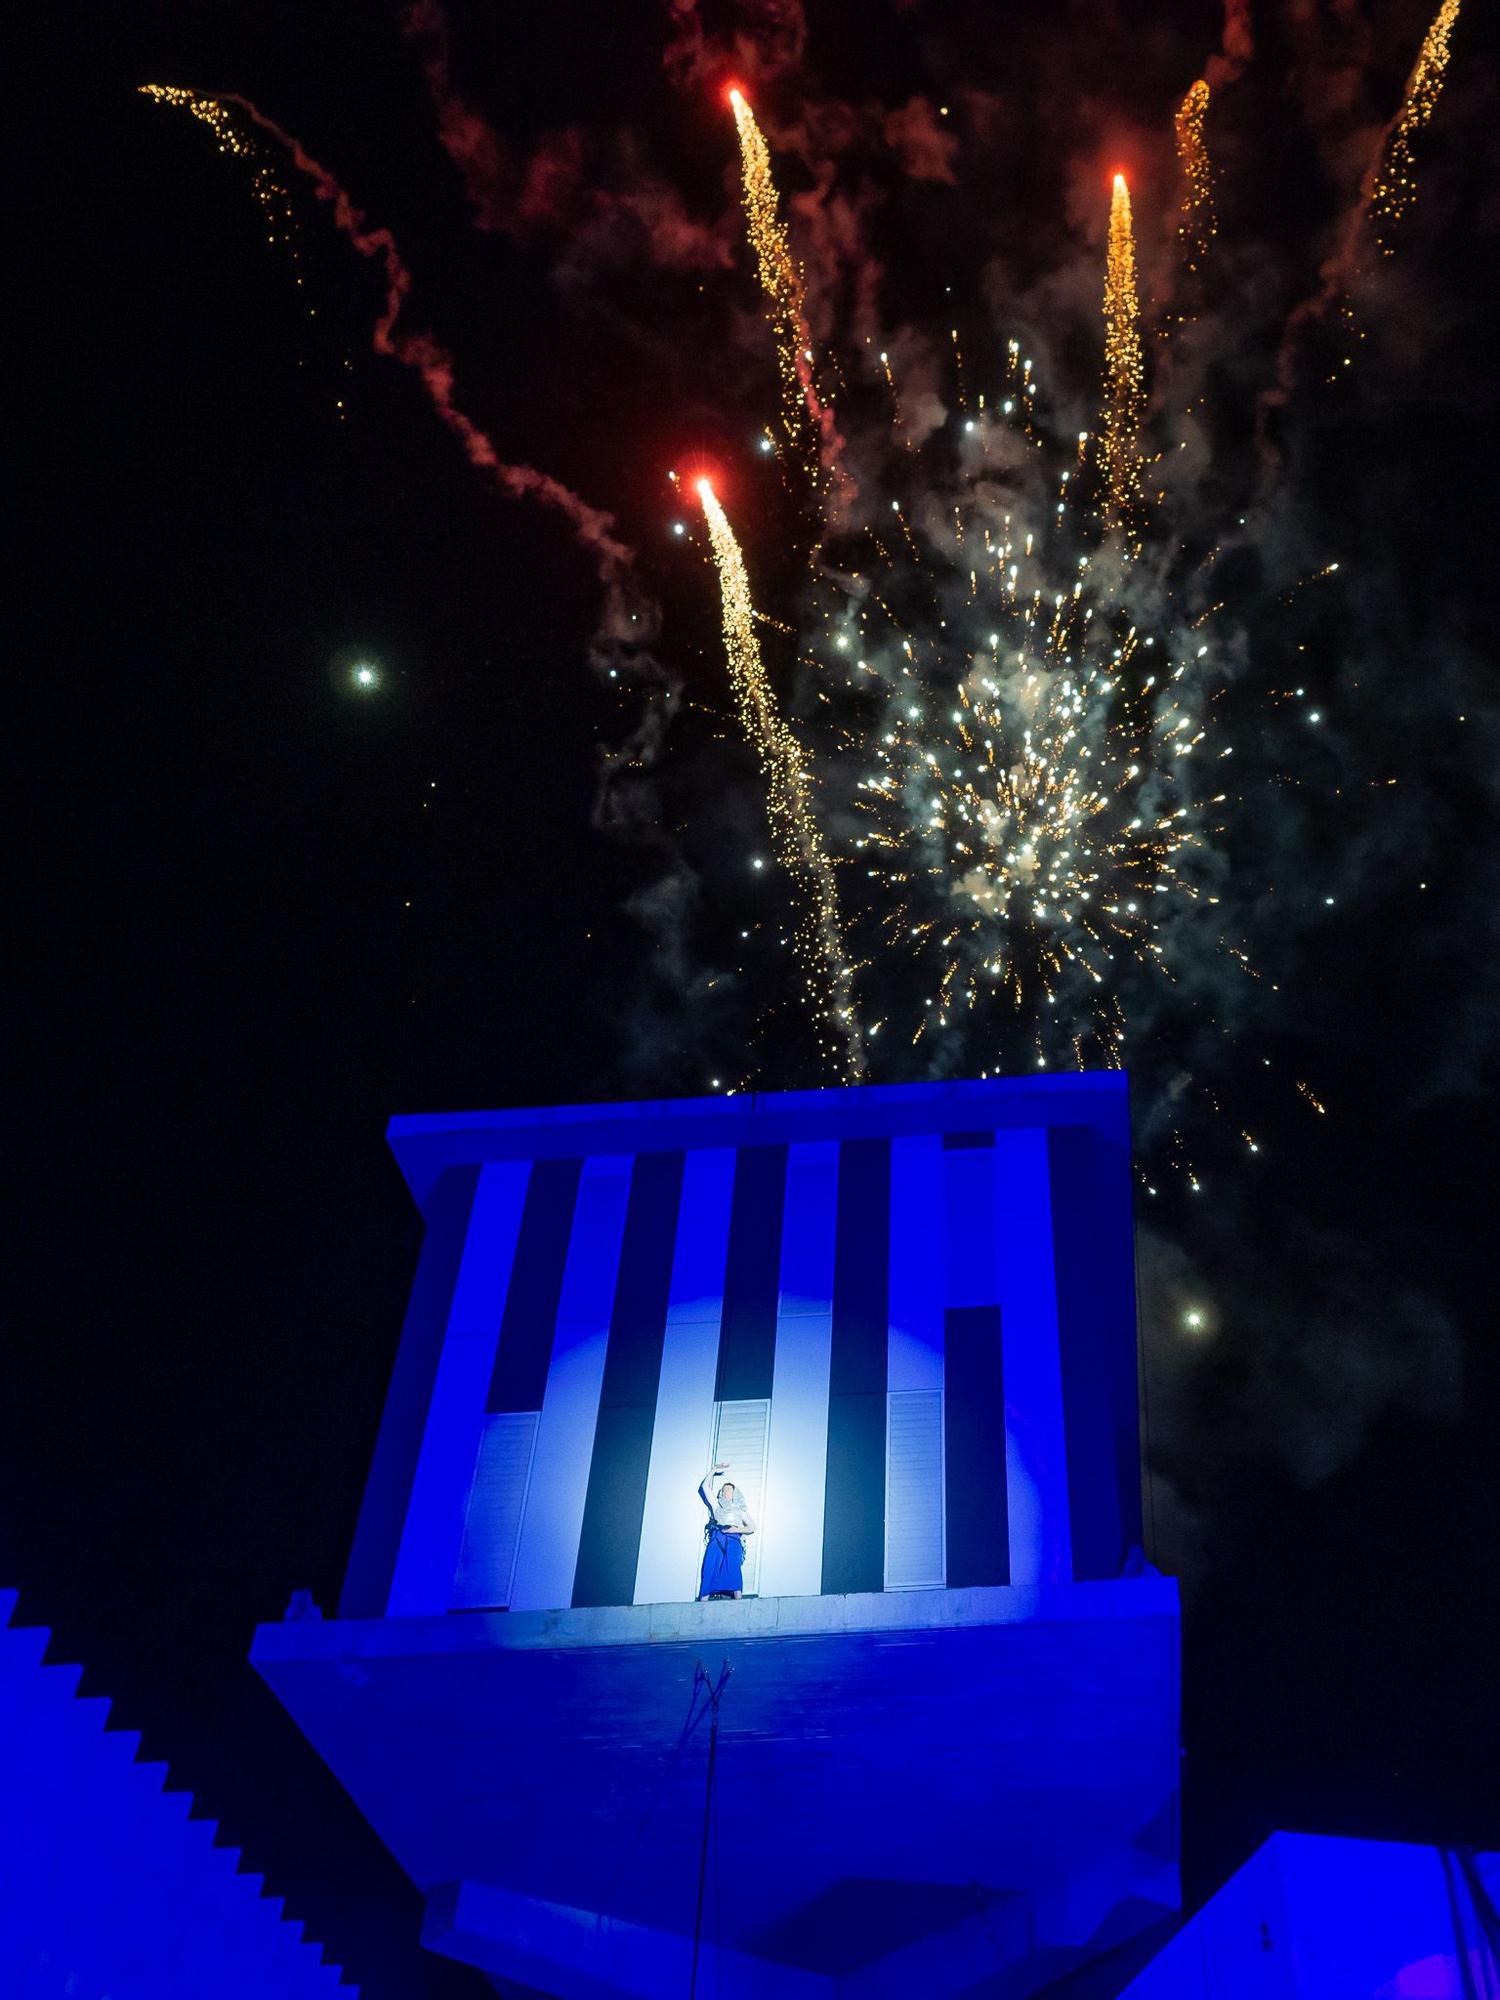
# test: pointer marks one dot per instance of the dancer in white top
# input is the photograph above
(724, 1537)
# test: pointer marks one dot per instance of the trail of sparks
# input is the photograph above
(426, 357)
(1395, 182)
(1120, 452)
(1197, 224)
(265, 184)
(794, 823)
(807, 419)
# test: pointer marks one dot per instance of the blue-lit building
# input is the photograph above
(948, 1749)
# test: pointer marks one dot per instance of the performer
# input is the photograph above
(724, 1537)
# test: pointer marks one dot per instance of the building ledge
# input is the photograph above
(746, 1618)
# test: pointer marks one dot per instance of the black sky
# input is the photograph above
(253, 914)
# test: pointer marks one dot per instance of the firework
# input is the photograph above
(806, 418)
(1394, 187)
(265, 184)
(429, 361)
(1196, 224)
(794, 822)
(1124, 400)
(1028, 797)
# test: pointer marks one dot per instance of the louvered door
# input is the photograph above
(914, 1490)
(497, 1500)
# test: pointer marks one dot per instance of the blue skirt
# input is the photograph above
(723, 1563)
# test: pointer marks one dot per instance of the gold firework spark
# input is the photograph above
(789, 802)
(1120, 451)
(1196, 224)
(806, 418)
(1395, 187)
(273, 197)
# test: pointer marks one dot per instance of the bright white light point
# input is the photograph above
(1193, 1318)
(1316, 715)
(1329, 901)
(757, 862)
(969, 425)
(365, 677)
(766, 445)
(679, 528)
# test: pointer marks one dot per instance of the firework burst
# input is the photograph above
(1018, 778)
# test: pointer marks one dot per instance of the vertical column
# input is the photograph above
(1035, 1440)
(791, 1553)
(854, 1502)
(382, 1514)
(914, 1358)
(672, 1521)
(524, 1353)
(974, 1383)
(752, 1275)
(914, 1503)
(432, 1534)
(610, 1539)
(548, 1554)
(1093, 1250)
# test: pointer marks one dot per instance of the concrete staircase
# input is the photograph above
(108, 1889)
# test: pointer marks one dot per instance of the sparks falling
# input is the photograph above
(266, 184)
(1120, 452)
(1395, 182)
(807, 419)
(789, 796)
(1196, 224)
(426, 357)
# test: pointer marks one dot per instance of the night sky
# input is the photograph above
(256, 909)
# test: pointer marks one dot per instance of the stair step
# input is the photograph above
(109, 1885)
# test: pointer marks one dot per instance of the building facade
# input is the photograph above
(905, 1317)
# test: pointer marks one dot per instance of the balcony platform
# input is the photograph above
(974, 1790)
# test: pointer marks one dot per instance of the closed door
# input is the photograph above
(497, 1500)
(914, 1490)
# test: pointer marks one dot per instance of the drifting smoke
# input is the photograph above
(432, 364)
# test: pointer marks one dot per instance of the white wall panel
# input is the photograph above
(672, 1525)
(790, 1558)
(550, 1532)
(432, 1533)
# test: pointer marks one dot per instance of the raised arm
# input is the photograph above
(708, 1490)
